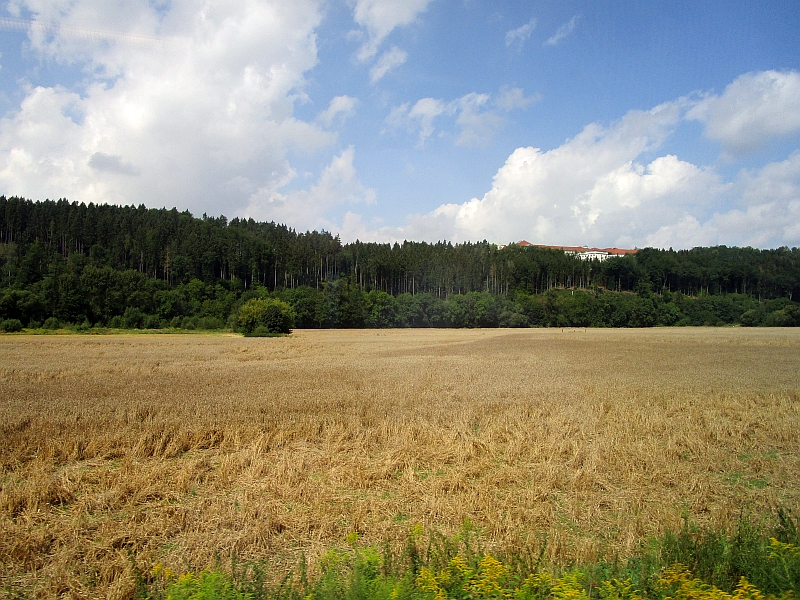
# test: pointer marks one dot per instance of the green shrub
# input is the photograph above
(210, 323)
(260, 331)
(189, 323)
(151, 322)
(51, 323)
(132, 318)
(11, 325)
(751, 318)
(274, 315)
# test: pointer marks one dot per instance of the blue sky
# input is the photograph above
(668, 124)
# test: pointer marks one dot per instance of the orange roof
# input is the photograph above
(614, 251)
(619, 250)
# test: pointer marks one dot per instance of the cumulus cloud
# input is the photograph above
(764, 225)
(766, 212)
(516, 37)
(562, 32)
(340, 108)
(569, 191)
(597, 189)
(40, 29)
(112, 164)
(380, 17)
(575, 193)
(775, 182)
(204, 116)
(478, 117)
(389, 60)
(307, 209)
(754, 109)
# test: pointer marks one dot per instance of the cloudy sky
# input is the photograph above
(627, 123)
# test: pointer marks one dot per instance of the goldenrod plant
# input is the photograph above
(357, 573)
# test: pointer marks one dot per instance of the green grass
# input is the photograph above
(751, 563)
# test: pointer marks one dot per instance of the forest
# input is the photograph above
(67, 263)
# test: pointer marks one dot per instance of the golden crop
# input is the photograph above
(124, 452)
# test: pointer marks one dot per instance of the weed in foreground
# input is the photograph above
(754, 565)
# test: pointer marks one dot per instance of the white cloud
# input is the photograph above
(389, 60)
(562, 32)
(417, 118)
(517, 37)
(39, 29)
(202, 120)
(306, 209)
(753, 109)
(340, 107)
(478, 125)
(562, 193)
(776, 182)
(590, 190)
(113, 164)
(477, 116)
(595, 189)
(380, 17)
(766, 212)
(513, 97)
(762, 226)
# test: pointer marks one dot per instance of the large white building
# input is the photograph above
(584, 252)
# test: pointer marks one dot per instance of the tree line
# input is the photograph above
(130, 266)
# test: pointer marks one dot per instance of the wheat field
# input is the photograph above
(121, 452)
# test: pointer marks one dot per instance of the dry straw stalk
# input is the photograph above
(118, 451)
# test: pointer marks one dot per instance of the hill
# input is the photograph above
(130, 266)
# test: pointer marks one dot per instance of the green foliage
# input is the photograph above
(262, 316)
(151, 322)
(349, 303)
(144, 268)
(133, 318)
(382, 310)
(207, 585)
(721, 559)
(51, 323)
(11, 326)
(421, 310)
(692, 564)
(262, 331)
(309, 306)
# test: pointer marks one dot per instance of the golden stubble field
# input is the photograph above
(121, 452)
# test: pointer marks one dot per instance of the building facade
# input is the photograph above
(584, 252)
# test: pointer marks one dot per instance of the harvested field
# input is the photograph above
(121, 452)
